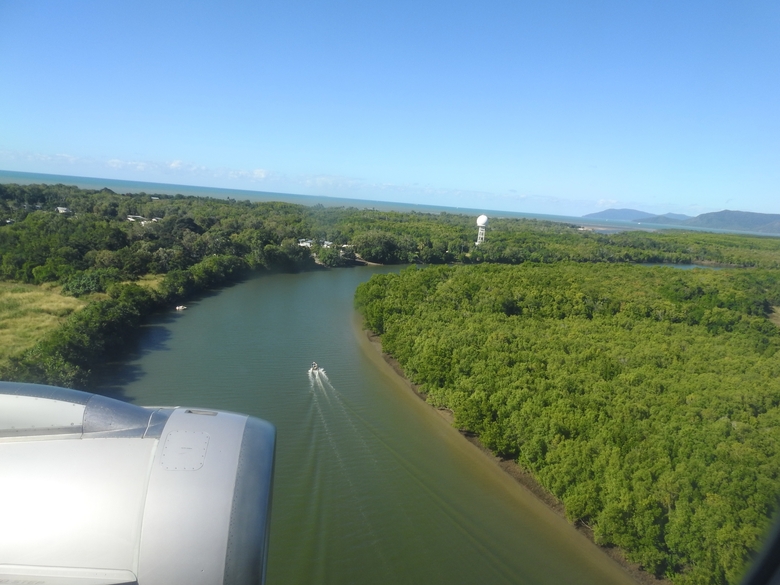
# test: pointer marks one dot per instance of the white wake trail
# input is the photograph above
(320, 385)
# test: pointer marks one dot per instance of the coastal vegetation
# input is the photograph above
(103, 247)
(646, 399)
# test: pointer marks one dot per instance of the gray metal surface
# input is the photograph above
(188, 506)
(28, 410)
(26, 416)
(101, 492)
(73, 503)
(157, 423)
(249, 517)
(41, 391)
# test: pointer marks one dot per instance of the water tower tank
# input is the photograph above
(481, 223)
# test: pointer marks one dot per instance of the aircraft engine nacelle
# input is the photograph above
(97, 491)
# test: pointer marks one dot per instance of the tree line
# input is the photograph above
(93, 249)
(38, 244)
(646, 399)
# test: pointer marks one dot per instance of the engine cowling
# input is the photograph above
(99, 491)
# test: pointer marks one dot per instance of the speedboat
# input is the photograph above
(314, 367)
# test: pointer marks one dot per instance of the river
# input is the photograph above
(372, 486)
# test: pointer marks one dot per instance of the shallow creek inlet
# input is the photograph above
(371, 486)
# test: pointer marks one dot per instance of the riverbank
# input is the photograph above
(517, 473)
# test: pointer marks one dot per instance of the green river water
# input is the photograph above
(372, 486)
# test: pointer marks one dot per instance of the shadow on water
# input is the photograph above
(112, 376)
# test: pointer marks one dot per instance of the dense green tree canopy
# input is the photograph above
(646, 399)
(38, 244)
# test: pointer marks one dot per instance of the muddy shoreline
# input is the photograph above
(520, 475)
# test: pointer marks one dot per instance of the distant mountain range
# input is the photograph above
(745, 221)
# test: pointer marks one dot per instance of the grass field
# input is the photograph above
(150, 281)
(27, 313)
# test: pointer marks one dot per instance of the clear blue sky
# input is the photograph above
(543, 107)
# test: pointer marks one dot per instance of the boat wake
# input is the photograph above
(337, 423)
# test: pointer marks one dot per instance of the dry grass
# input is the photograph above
(150, 281)
(775, 316)
(27, 313)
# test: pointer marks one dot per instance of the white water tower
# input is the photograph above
(481, 223)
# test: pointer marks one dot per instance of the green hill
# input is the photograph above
(765, 223)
